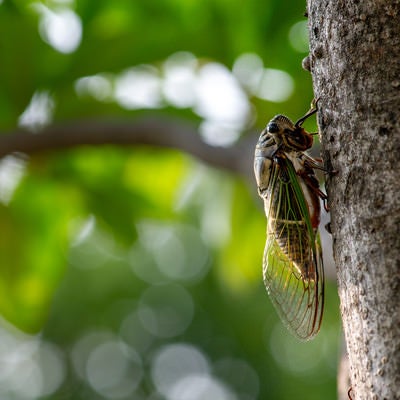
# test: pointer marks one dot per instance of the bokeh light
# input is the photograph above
(298, 36)
(199, 387)
(12, 170)
(91, 247)
(179, 72)
(290, 356)
(39, 111)
(266, 83)
(241, 376)
(60, 27)
(216, 94)
(139, 87)
(199, 189)
(275, 85)
(135, 334)
(99, 86)
(166, 311)
(178, 252)
(83, 347)
(29, 367)
(175, 362)
(248, 69)
(114, 370)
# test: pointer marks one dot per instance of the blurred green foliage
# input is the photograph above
(111, 256)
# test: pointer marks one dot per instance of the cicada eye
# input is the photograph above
(272, 127)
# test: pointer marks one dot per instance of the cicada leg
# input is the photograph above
(349, 393)
(313, 109)
(314, 163)
(310, 182)
(310, 179)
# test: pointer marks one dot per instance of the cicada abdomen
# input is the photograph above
(292, 263)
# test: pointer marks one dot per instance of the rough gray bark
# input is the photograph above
(355, 65)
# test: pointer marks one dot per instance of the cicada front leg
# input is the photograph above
(307, 173)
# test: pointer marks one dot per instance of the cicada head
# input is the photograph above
(280, 124)
(287, 135)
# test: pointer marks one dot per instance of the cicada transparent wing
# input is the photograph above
(292, 263)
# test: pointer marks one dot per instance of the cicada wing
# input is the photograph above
(298, 299)
(292, 263)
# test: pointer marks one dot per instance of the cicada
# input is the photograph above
(292, 263)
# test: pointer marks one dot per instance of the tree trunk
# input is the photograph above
(355, 65)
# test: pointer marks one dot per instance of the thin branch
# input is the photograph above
(154, 131)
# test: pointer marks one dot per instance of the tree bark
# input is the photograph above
(355, 65)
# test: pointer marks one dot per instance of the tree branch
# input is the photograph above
(153, 131)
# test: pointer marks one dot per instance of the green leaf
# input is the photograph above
(33, 247)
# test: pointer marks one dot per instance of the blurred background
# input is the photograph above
(134, 272)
